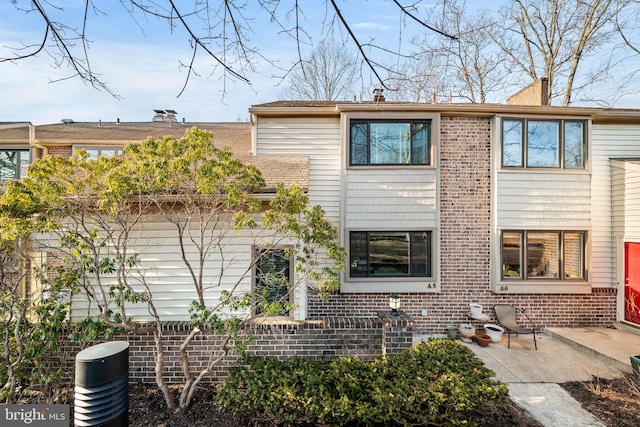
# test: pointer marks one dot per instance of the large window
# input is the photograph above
(95, 152)
(389, 142)
(530, 143)
(13, 163)
(390, 254)
(533, 255)
(272, 282)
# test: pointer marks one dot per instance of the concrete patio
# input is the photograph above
(563, 355)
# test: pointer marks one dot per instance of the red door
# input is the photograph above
(632, 282)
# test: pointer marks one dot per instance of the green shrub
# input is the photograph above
(434, 382)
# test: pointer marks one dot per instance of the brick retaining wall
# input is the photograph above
(320, 339)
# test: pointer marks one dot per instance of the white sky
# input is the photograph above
(143, 67)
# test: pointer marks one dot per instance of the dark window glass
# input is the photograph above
(543, 255)
(555, 255)
(511, 255)
(389, 143)
(359, 144)
(272, 282)
(543, 143)
(512, 143)
(14, 163)
(390, 254)
(574, 144)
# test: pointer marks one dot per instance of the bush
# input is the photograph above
(434, 382)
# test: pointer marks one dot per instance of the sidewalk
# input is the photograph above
(563, 355)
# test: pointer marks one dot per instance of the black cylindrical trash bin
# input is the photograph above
(102, 386)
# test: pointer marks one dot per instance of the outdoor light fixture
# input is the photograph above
(394, 304)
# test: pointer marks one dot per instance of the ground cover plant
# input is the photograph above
(438, 382)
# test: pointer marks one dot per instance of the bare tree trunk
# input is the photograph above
(186, 396)
(168, 397)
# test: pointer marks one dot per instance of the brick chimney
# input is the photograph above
(378, 96)
(537, 93)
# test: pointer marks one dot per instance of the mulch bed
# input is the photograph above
(147, 409)
(615, 402)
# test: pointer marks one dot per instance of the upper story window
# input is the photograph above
(13, 163)
(389, 142)
(542, 143)
(384, 254)
(535, 255)
(95, 152)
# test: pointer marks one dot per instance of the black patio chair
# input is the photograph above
(506, 315)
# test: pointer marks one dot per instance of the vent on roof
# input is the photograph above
(67, 121)
(159, 117)
(171, 115)
(165, 115)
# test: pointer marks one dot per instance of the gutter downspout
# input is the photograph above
(32, 143)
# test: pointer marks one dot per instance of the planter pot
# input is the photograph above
(476, 310)
(494, 331)
(467, 330)
(483, 340)
(635, 365)
(453, 332)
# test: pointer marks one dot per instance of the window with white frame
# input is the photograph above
(384, 254)
(542, 255)
(272, 281)
(389, 142)
(543, 143)
(14, 163)
(103, 151)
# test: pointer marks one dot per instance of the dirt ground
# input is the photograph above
(614, 402)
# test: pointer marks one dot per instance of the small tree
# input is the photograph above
(98, 209)
(30, 322)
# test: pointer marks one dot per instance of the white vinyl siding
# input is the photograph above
(391, 199)
(539, 200)
(609, 142)
(169, 280)
(318, 138)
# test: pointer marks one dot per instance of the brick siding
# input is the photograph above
(64, 151)
(321, 339)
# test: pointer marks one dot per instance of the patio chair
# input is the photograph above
(506, 315)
